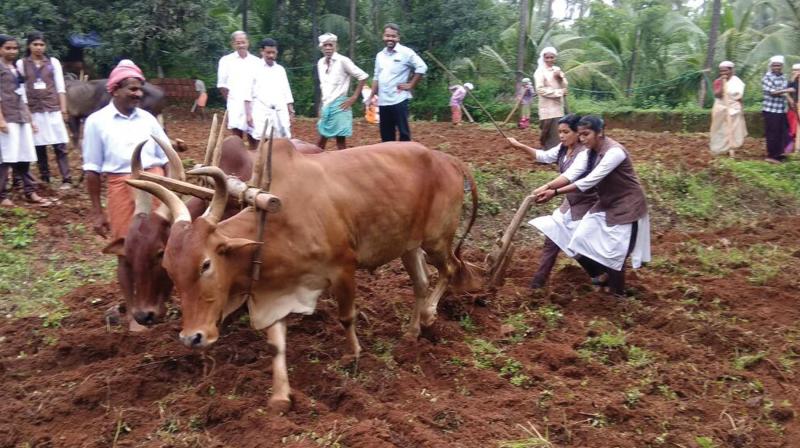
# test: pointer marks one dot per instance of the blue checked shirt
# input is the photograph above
(772, 83)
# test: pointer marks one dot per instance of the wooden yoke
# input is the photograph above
(236, 188)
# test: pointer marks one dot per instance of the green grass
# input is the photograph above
(32, 280)
(726, 193)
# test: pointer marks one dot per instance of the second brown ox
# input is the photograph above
(343, 210)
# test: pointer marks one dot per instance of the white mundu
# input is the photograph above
(235, 73)
(270, 96)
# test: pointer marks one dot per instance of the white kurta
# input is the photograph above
(728, 128)
(50, 124)
(559, 227)
(269, 97)
(16, 145)
(593, 238)
(236, 74)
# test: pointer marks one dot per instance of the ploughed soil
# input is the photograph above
(695, 358)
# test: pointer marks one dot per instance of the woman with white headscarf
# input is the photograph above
(728, 128)
(551, 86)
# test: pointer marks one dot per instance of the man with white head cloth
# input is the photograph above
(551, 87)
(335, 72)
(774, 86)
(234, 80)
(728, 128)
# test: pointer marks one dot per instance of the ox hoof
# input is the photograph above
(411, 335)
(280, 405)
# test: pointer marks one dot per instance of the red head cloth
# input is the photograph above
(124, 70)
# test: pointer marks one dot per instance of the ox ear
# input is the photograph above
(234, 245)
(116, 247)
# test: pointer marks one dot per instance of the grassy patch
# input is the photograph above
(33, 280)
(726, 193)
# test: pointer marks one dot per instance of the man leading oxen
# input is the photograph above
(366, 207)
(110, 137)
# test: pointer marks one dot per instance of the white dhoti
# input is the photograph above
(51, 129)
(608, 245)
(16, 145)
(278, 118)
(559, 227)
(237, 118)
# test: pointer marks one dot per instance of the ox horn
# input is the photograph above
(177, 208)
(142, 201)
(212, 141)
(175, 163)
(220, 199)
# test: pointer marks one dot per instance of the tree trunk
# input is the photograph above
(634, 59)
(712, 43)
(523, 38)
(245, 8)
(353, 28)
(547, 12)
(315, 48)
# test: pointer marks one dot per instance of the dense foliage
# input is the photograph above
(630, 53)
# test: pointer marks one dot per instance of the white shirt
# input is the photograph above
(58, 73)
(334, 79)
(614, 156)
(393, 67)
(270, 86)
(110, 137)
(236, 74)
(549, 156)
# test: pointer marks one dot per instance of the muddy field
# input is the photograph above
(703, 355)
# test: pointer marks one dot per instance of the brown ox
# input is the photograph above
(145, 284)
(343, 210)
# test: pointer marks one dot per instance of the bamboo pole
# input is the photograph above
(469, 92)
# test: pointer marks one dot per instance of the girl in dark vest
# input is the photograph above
(47, 101)
(559, 227)
(617, 225)
(16, 131)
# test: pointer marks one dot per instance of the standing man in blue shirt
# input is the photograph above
(397, 70)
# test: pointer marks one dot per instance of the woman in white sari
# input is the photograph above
(728, 128)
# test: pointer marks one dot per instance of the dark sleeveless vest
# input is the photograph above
(41, 100)
(620, 193)
(12, 104)
(577, 202)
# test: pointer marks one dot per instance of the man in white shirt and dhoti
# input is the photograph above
(335, 72)
(728, 128)
(269, 95)
(234, 81)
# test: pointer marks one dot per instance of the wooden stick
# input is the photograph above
(212, 141)
(215, 158)
(469, 92)
(510, 114)
(497, 258)
(466, 112)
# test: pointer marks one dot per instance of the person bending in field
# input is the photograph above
(618, 224)
(559, 227)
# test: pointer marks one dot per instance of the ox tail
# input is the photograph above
(466, 276)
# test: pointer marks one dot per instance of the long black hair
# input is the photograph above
(6, 38)
(570, 120)
(32, 37)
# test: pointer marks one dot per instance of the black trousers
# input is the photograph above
(547, 260)
(20, 169)
(616, 279)
(61, 158)
(776, 129)
(394, 119)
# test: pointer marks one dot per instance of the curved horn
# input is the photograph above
(175, 163)
(142, 201)
(176, 207)
(220, 199)
(212, 141)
